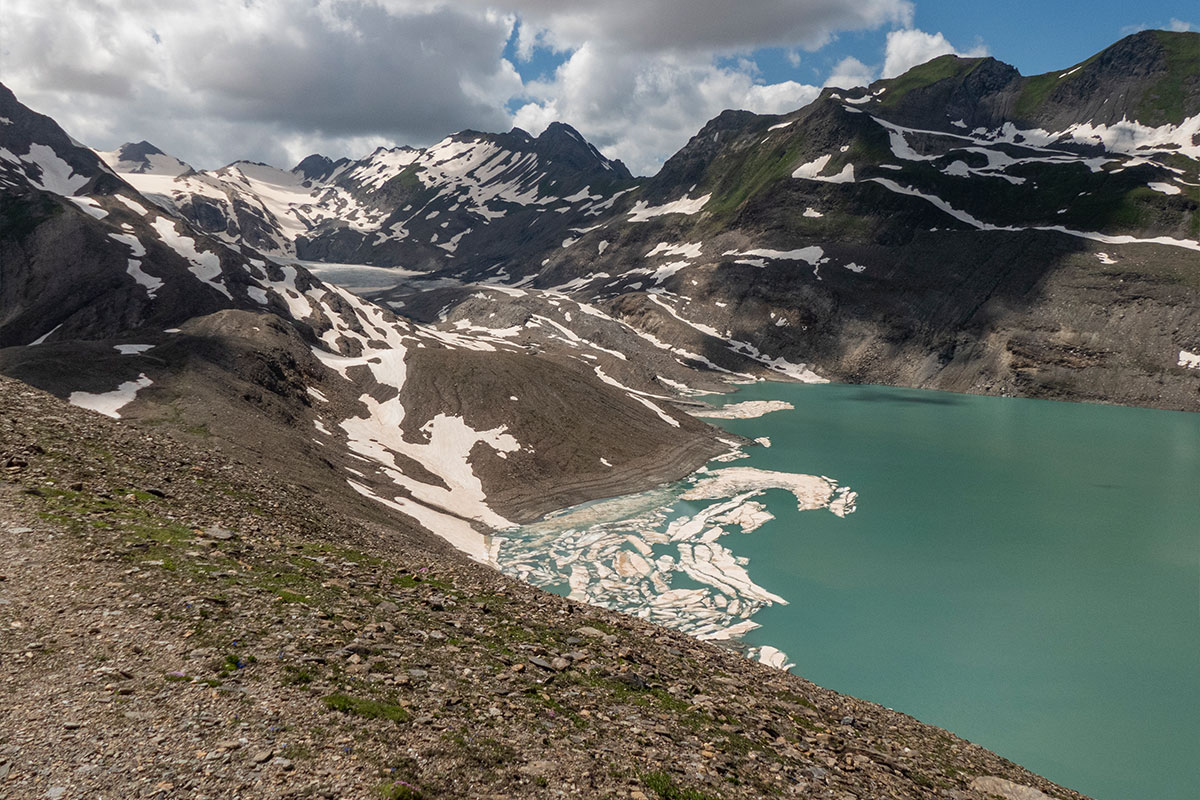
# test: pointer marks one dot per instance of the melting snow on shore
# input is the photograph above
(746, 410)
(626, 553)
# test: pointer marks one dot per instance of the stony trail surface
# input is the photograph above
(177, 624)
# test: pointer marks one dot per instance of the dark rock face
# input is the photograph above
(139, 152)
(318, 167)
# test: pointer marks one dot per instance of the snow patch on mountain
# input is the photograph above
(962, 216)
(687, 250)
(148, 282)
(813, 169)
(110, 403)
(206, 266)
(90, 206)
(43, 169)
(642, 211)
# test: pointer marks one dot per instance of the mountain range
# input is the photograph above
(552, 319)
(959, 227)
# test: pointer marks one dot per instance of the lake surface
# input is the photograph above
(1024, 573)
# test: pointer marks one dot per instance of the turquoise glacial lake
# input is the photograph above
(1023, 573)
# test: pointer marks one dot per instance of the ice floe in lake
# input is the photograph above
(771, 656)
(746, 410)
(659, 555)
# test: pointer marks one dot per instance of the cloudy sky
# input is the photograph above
(275, 80)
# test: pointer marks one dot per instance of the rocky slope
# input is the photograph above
(176, 622)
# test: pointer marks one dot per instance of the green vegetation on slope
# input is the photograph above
(927, 74)
(1166, 101)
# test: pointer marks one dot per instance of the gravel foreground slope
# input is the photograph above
(173, 624)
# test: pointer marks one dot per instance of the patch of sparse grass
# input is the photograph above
(927, 74)
(415, 580)
(666, 788)
(485, 751)
(367, 709)
(398, 790)
(296, 676)
(800, 700)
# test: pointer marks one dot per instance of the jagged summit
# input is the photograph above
(566, 145)
(317, 167)
(138, 151)
(398, 205)
(143, 158)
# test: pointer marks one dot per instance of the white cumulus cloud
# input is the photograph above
(274, 80)
(907, 48)
(641, 110)
(850, 72)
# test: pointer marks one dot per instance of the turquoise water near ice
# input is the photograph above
(1024, 573)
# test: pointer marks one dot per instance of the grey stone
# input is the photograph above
(991, 784)
(220, 534)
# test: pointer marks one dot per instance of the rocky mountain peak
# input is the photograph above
(317, 167)
(144, 158)
(1151, 76)
(689, 165)
(565, 145)
(138, 151)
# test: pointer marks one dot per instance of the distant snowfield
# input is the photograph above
(470, 175)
